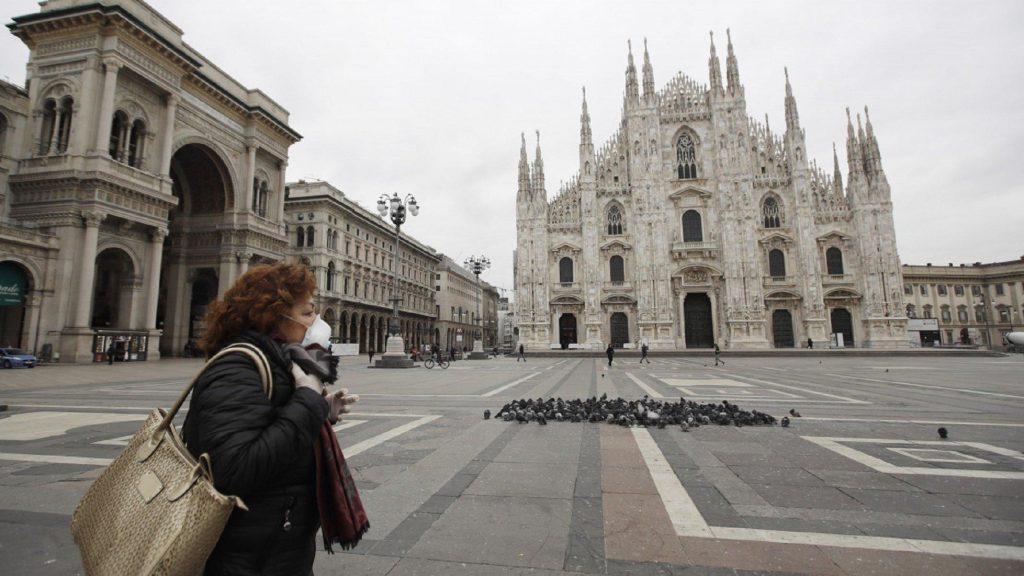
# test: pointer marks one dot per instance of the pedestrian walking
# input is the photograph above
(521, 354)
(110, 353)
(611, 354)
(370, 351)
(717, 359)
(643, 353)
(810, 343)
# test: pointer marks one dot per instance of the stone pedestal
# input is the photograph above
(478, 351)
(394, 355)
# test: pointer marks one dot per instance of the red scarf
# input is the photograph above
(342, 516)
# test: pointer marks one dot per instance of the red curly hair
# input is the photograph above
(257, 302)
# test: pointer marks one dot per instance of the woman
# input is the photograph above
(262, 450)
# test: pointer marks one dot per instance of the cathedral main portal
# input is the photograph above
(567, 330)
(697, 319)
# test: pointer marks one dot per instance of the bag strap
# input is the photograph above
(253, 352)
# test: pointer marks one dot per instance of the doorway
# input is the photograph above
(619, 329)
(697, 318)
(842, 323)
(567, 330)
(782, 328)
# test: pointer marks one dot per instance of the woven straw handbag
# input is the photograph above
(154, 510)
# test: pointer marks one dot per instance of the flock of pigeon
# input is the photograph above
(684, 413)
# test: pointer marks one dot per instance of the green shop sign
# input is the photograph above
(12, 285)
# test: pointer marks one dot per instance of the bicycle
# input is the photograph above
(430, 362)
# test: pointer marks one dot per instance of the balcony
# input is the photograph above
(706, 249)
(617, 286)
(837, 279)
(779, 281)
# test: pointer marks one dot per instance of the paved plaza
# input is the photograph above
(860, 484)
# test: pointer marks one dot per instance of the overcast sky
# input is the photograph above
(429, 97)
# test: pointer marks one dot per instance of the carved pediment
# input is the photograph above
(834, 236)
(776, 238)
(689, 191)
(782, 295)
(617, 245)
(618, 299)
(697, 274)
(566, 248)
(842, 293)
(567, 301)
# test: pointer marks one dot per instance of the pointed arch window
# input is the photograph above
(771, 212)
(616, 269)
(776, 264)
(686, 158)
(565, 270)
(330, 276)
(47, 127)
(64, 123)
(300, 237)
(834, 260)
(693, 230)
(614, 220)
(309, 236)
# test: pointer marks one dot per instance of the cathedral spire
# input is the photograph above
(586, 138)
(872, 143)
(524, 167)
(648, 76)
(632, 88)
(854, 162)
(714, 68)
(732, 71)
(792, 117)
(538, 171)
(837, 174)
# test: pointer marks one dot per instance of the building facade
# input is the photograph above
(457, 300)
(139, 180)
(973, 304)
(351, 250)
(695, 224)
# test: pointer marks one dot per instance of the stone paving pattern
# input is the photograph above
(460, 495)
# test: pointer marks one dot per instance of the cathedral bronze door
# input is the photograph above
(620, 329)
(567, 330)
(697, 317)
(843, 323)
(782, 328)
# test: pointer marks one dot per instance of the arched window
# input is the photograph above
(927, 310)
(300, 237)
(3, 132)
(309, 236)
(330, 276)
(692, 229)
(776, 264)
(261, 208)
(565, 270)
(46, 128)
(834, 260)
(67, 105)
(686, 158)
(614, 220)
(616, 269)
(117, 128)
(771, 212)
(135, 143)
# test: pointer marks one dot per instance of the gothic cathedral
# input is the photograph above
(695, 224)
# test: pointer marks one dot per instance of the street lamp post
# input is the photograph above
(394, 355)
(476, 265)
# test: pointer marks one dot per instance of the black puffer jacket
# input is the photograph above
(262, 452)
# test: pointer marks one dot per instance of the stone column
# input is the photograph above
(226, 273)
(713, 296)
(169, 113)
(279, 215)
(58, 116)
(87, 266)
(682, 318)
(243, 262)
(107, 104)
(154, 259)
(248, 194)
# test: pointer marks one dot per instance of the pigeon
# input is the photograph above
(487, 414)
(785, 422)
(794, 413)
(943, 433)
(542, 420)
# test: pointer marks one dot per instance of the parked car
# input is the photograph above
(16, 357)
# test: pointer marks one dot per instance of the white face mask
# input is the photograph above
(318, 333)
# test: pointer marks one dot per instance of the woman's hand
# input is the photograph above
(340, 402)
(303, 380)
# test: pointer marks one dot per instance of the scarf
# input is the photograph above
(343, 519)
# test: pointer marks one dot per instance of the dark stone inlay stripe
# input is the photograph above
(400, 540)
(585, 552)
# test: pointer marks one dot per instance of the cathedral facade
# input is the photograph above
(696, 225)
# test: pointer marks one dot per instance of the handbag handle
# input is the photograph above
(257, 356)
